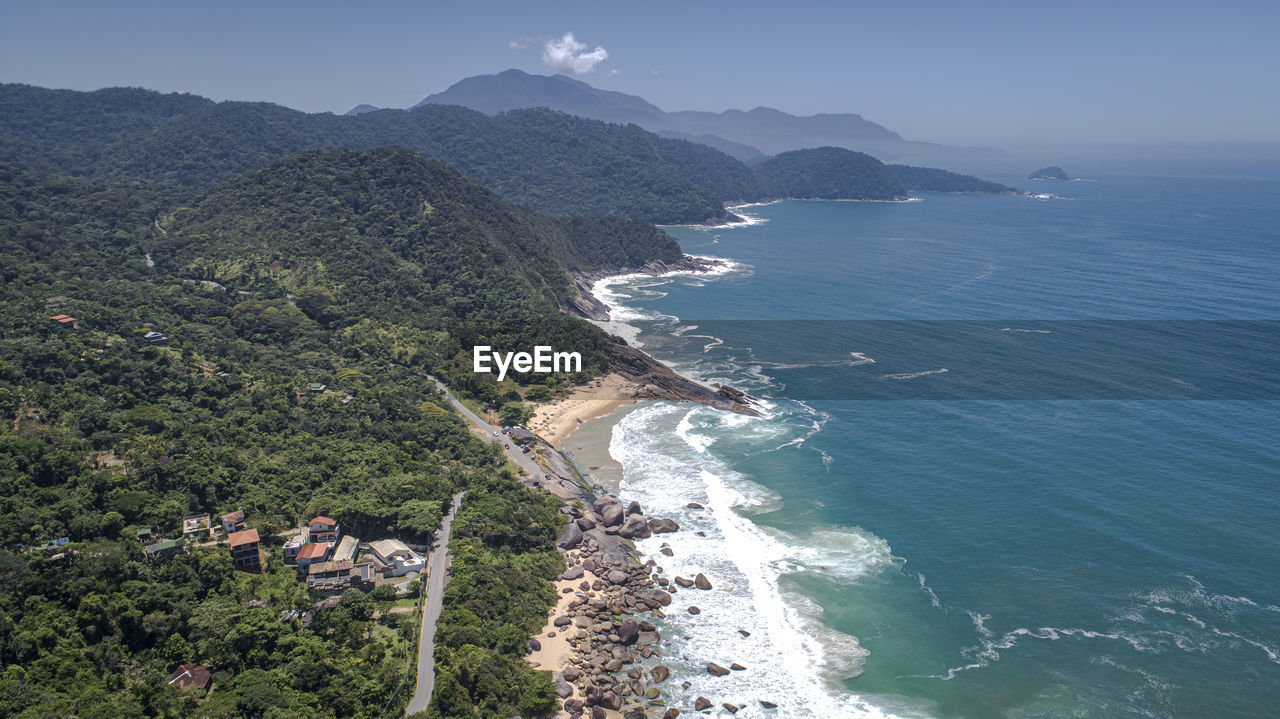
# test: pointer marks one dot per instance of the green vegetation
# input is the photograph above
(361, 272)
(554, 163)
(928, 179)
(829, 173)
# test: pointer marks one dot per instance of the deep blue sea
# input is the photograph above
(1032, 557)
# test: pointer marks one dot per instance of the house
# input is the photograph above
(322, 529)
(155, 338)
(313, 553)
(190, 675)
(233, 521)
(244, 550)
(520, 435)
(162, 550)
(397, 559)
(145, 535)
(294, 545)
(195, 523)
(346, 549)
(316, 387)
(332, 576)
(63, 320)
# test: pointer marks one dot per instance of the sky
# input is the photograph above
(975, 72)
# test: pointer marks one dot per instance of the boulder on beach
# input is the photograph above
(572, 573)
(612, 515)
(663, 598)
(563, 690)
(694, 610)
(533, 644)
(684, 582)
(603, 502)
(628, 632)
(693, 505)
(737, 667)
(570, 536)
(716, 670)
(571, 673)
(667, 551)
(584, 524)
(660, 674)
(663, 526)
(597, 712)
(701, 703)
(730, 708)
(672, 713)
(617, 576)
(634, 528)
(768, 704)
(634, 508)
(561, 621)
(701, 581)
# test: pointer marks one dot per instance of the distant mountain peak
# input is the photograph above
(745, 134)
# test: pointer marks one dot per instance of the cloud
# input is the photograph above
(568, 55)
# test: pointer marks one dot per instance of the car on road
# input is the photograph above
(506, 446)
(495, 433)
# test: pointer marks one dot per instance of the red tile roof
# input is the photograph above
(323, 520)
(235, 516)
(187, 675)
(63, 318)
(314, 550)
(248, 536)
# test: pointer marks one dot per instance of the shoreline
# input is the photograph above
(557, 419)
(598, 642)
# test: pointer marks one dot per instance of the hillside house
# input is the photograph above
(322, 529)
(190, 675)
(244, 550)
(63, 321)
(313, 553)
(155, 338)
(396, 558)
(294, 545)
(195, 524)
(233, 521)
(346, 549)
(161, 551)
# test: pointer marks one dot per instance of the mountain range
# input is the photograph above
(746, 135)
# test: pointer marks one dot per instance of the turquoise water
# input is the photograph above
(1019, 558)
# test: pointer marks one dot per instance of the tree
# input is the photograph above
(514, 413)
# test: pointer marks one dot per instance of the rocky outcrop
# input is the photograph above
(570, 537)
(716, 670)
(656, 380)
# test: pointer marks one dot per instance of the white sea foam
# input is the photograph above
(792, 658)
(913, 375)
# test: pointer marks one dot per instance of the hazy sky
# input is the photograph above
(996, 73)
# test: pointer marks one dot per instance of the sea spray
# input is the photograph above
(792, 659)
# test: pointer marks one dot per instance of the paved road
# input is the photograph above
(522, 460)
(430, 614)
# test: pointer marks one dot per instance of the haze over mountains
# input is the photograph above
(747, 135)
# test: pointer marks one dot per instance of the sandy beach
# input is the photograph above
(555, 652)
(554, 421)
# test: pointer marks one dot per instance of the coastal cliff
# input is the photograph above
(656, 379)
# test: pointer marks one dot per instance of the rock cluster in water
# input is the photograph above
(604, 622)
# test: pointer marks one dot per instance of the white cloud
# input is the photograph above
(568, 55)
(655, 73)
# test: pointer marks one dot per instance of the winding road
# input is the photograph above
(431, 613)
(522, 460)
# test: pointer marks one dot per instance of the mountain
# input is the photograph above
(1053, 172)
(552, 162)
(927, 179)
(829, 173)
(768, 130)
(361, 109)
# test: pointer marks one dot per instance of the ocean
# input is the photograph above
(1048, 552)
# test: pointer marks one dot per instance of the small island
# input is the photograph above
(1050, 173)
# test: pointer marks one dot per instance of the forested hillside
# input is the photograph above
(829, 173)
(927, 179)
(551, 162)
(302, 307)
